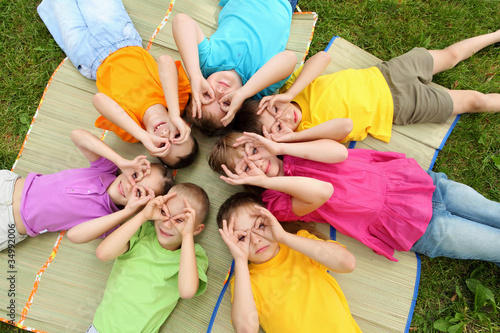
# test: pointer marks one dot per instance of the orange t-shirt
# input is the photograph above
(130, 77)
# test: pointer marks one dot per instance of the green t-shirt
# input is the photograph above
(142, 290)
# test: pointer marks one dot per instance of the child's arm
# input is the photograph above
(92, 229)
(112, 111)
(93, 148)
(331, 255)
(313, 68)
(169, 78)
(307, 194)
(277, 68)
(187, 36)
(334, 129)
(322, 150)
(189, 280)
(117, 242)
(244, 314)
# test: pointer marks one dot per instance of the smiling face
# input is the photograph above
(169, 232)
(120, 189)
(222, 83)
(268, 163)
(291, 117)
(260, 249)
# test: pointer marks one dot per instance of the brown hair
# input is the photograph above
(208, 125)
(247, 120)
(186, 160)
(241, 199)
(197, 197)
(223, 151)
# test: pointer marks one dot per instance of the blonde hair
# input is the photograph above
(197, 197)
(223, 152)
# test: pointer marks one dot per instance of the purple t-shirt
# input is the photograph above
(59, 201)
(382, 199)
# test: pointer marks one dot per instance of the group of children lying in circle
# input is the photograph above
(286, 148)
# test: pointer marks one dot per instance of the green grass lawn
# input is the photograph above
(384, 28)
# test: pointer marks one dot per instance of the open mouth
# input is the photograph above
(159, 126)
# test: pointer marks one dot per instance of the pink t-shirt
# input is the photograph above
(382, 199)
(67, 198)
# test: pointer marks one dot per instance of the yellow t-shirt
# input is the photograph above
(294, 293)
(130, 77)
(360, 94)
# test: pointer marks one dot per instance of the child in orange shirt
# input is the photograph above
(139, 99)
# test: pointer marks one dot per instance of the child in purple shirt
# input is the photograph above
(62, 201)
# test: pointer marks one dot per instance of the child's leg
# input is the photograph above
(465, 225)
(87, 31)
(8, 231)
(447, 58)
(473, 101)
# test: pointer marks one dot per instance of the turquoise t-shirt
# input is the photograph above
(142, 290)
(249, 34)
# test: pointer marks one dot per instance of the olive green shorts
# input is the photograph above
(415, 101)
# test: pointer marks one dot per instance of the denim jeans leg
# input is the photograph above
(464, 225)
(88, 31)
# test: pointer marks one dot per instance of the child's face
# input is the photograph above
(222, 83)
(157, 122)
(169, 233)
(268, 163)
(260, 249)
(120, 190)
(291, 117)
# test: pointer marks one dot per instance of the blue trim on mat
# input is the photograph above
(219, 300)
(330, 43)
(443, 142)
(333, 233)
(352, 144)
(415, 294)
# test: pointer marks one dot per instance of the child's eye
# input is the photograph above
(279, 127)
(241, 238)
(227, 103)
(163, 212)
(254, 151)
(134, 175)
(261, 226)
(179, 220)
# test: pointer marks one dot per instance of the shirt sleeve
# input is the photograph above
(306, 234)
(105, 165)
(280, 204)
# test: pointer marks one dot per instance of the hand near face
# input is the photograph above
(267, 226)
(187, 227)
(273, 104)
(156, 209)
(238, 242)
(179, 130)
(202, 93)
(139, 197)
(135, 169)
(279, 132)
(247, 173)
(255, 140)
(230, 103)
(156, 145)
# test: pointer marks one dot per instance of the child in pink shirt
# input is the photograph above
(61, 201)
(383, 199)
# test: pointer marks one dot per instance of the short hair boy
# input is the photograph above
(69, 199)
(139, 99)
(245, 57)
(396, 91)
(157, 262)
(281, 280)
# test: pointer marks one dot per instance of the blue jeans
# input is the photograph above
(464, 224)
(89, 30)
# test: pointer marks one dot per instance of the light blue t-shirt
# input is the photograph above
(249, 34)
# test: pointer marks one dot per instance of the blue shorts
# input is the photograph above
(89, 30)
